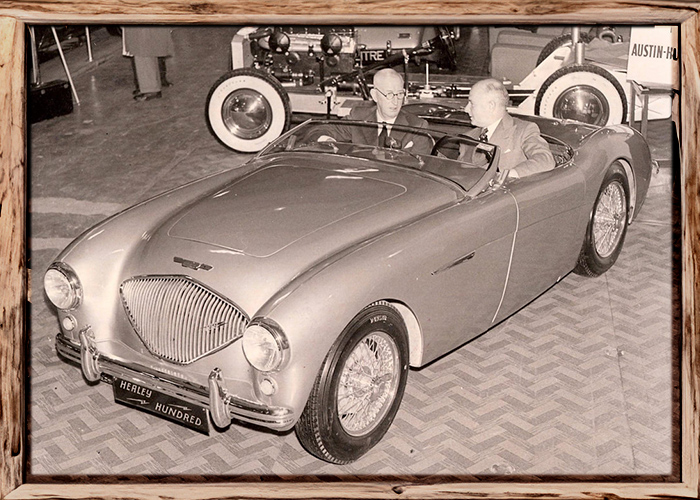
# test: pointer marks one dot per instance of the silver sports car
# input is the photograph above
(297, 289)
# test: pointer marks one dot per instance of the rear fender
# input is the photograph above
(625, 145)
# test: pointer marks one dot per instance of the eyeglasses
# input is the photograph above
(393, 95)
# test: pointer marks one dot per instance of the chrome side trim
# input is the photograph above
(457, 262)
(273, 417)
(510, 259)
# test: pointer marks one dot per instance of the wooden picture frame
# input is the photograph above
(13, 219)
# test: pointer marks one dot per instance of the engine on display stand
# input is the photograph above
(575, 74)
(300, 56)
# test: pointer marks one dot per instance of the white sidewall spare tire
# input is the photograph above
(247, 109)
(584, 93)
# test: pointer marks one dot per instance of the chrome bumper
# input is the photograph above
(222, 406)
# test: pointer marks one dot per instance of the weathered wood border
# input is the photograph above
(13, 288)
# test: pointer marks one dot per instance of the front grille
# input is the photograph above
(179, 319)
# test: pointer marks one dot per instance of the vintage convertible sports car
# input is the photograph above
(296, 290)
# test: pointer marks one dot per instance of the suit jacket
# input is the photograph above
(414, 143)
(522, 147)
(150, 41)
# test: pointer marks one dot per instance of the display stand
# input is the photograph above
(643, 92)
(65, 65)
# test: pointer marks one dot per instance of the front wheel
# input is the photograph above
(358, 389)
(247, 109)
(607, 226)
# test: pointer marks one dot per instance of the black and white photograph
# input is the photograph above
(354, 251)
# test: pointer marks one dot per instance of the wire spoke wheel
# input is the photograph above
(607, 226)
(368, 383)
(609, 219)
(359, 387)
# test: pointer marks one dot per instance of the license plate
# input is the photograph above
(144, 398)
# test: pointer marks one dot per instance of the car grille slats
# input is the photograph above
(179, 319)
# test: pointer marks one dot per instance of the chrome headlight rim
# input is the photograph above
(72, 281)
(278, 338)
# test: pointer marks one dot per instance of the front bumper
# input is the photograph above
(222, 406)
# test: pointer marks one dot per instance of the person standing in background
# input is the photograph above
(148, 45)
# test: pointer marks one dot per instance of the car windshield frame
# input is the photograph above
(454, 171)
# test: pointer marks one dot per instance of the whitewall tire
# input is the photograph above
(247, 109)
(584, 93)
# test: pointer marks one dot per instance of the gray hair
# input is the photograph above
(495, 90)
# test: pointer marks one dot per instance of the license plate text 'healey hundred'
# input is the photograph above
(182, 412)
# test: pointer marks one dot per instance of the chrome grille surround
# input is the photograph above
(179, 319)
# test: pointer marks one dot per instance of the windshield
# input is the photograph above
(462, 160)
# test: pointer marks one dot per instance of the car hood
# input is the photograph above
(250, 238)
(278, 206)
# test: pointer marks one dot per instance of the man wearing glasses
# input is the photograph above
(388, 95)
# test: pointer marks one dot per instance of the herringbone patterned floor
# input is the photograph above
(579, 382)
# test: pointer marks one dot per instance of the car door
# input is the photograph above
(549, 234)
(464, 255)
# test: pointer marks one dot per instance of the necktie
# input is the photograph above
(484, 137)
(381, 140)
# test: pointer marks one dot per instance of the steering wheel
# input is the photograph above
(439, 144)
(447, 44)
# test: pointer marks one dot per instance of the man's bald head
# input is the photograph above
(388, 77)
(388, 93)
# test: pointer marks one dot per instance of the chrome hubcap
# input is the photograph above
(582, 103)
(246, 113)
(609, 219)
(368, 383)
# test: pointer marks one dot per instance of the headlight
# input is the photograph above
(264, 346)
(62, 286)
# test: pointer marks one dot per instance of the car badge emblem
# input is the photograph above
(214, 328)
(192, 264)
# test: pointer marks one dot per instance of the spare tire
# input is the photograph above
(585, 93)
(560, 41)
(247, 109)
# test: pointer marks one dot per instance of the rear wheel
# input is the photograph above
(358, 389)
(247, 109)
(585, 93)
(607, 227)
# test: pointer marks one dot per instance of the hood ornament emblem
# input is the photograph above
(192, 264)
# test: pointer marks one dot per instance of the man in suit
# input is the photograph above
(147, 45)
(523, 150)
(388, 95)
